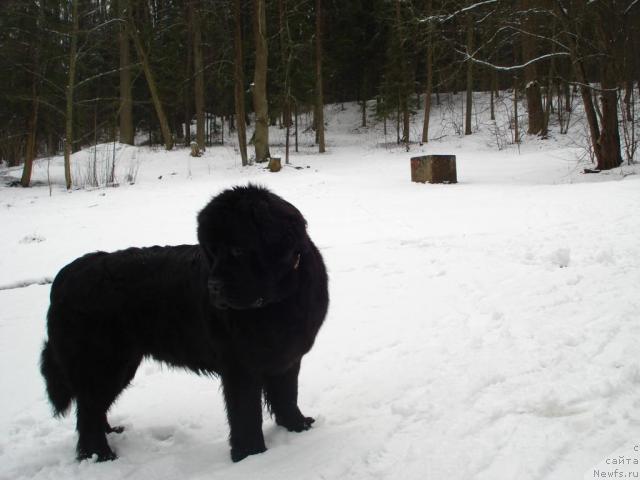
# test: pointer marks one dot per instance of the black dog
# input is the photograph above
(245, 304)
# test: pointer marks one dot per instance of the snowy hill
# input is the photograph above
(483, 330)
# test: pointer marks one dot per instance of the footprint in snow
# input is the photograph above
(163, 434)
(33, 238)
(561, 257)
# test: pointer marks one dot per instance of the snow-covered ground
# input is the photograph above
(483, 330)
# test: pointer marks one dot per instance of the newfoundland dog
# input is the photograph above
(245, 304)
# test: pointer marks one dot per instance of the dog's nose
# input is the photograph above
(215, 286)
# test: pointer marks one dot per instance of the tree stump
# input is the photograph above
(434, 169)
(274, 164)
(195, 151)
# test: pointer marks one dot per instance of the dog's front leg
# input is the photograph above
(243, 397)
(281, 392)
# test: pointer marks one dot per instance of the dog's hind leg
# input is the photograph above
(127, 375)
(92, 404)
(91, 409)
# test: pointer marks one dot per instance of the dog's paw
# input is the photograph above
(117, 429)
(238, 454)
(299, 424)
(103, 455)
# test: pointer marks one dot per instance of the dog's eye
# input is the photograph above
(236, 252)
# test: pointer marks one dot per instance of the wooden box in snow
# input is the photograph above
(434, 169)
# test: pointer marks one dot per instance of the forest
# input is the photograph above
(75, 73)
(480, 326)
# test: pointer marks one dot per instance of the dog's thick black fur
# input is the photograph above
(245, 304)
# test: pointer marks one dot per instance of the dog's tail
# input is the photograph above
(58, 389)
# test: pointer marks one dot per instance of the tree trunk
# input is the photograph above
(260, 104)
(516, 123)
(548, 101)
(535, 111)
(186, 95)
(178, 127)
(31, 150)
(406, 121)
(605, 141)
(68, 143)
(398, 139)
(363, 112)
(494, 89)
(155, 97)
(568, 104)
(126, 98)
(403, 88)
(319, 114)
(429, 89)
(285, 53)
(609, 139)
(364, 93)
(589, 108)
(194, 16)
(610, 45)
(295, 112)
(94, 167)
(469, 102)
(628, 99)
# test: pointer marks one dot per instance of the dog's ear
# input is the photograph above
(296, 231)
(202, 218)
(293, 217)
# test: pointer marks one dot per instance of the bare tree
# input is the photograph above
(126, 97)
(31, 149)
(605, 136)
(241, 125)
(286, 54)
(73, 58)
(319, 113)
(533, 91)
(260, 104)
(403, 103)
(469, 101)
(429, 88)
(151, 83)
(194, 20)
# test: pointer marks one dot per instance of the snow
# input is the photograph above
(482, 330)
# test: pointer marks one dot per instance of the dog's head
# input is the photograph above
(254, 243)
